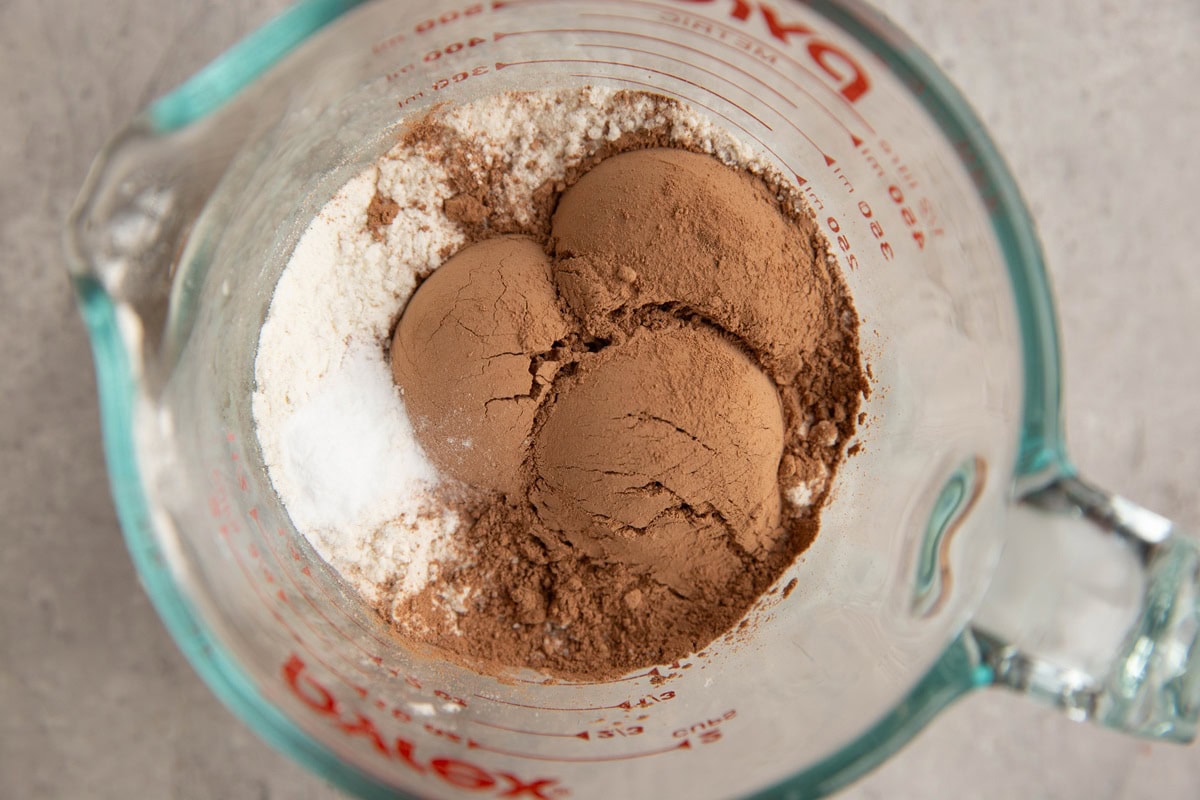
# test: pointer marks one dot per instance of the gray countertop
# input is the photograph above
(1094, 103)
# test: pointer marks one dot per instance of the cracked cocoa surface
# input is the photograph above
(464, 355)
(666, 444)
(626, 405)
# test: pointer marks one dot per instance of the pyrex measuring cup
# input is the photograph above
(959, 551)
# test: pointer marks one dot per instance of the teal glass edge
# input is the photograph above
(955, 673)
(202, 94)
(233, 70)
(116, 389)
(1041, 445)
(1041, 450)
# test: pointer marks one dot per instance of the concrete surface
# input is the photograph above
(1093, 101)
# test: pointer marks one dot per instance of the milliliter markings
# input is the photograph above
(813, 198)
(845, 181)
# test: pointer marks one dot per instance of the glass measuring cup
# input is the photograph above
(908, 545)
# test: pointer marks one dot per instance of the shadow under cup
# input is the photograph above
(908, 542)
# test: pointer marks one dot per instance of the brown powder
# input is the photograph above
(480, 203)
(462, 354)
(381, 212)
(661, 453)
(569, 617)
(628, 414)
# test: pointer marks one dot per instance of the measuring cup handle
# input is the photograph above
(1095, 609)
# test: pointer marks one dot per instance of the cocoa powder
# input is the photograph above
(574, 618)
(381, 212)
(480, 204)
(461, 353)
(630, 396)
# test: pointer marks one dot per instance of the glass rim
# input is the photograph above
(1041, 449)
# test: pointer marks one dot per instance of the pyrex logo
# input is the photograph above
(457, 772)
(847, 75)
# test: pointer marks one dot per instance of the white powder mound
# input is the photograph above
(338, 446)
(420, 234)
(349, 455)
(538, 136)
(335, 438)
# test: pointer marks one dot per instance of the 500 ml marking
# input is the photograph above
(447, 18)
(427, 25)
(424, 27)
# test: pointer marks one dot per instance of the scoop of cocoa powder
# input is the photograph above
(627, 412)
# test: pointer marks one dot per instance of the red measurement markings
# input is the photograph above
(647, 701)
(766, 148)
(653, 673)
(427, 25)
(387, 43)
(252, 549)
(908, 215)
(902, 169)
(291, 579)
(617, 731)
(873, 163)
(485, 724)
(828, 159)
(447, 18)
(911, 210)
(844, 180)
(253, 514)
(452, 49)
(502, 65)
(842, 240)
(813, 198)
(642, 702)
(679, 20)
(876, 228)
(270, 606)
(857, 140)
(459, 77)
(498, 36)
(706, 725)
(460, 772)
(325, 594)
(474, 745)
(680, 23)
(546, 708)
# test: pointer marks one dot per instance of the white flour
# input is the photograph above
(331, 423)
(336, 441)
